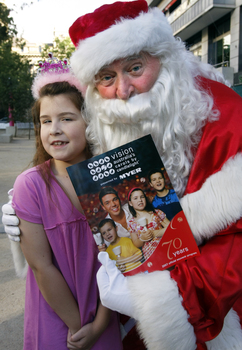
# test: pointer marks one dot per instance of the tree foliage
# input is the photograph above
(15, 75)
(7, 27)
(62, 48)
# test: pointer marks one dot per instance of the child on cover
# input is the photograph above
(61, 290)
(147, 225)
(165, 199)
(129, 257)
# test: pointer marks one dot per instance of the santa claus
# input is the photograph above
(141, 80)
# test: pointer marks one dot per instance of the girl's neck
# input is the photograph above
(62, 177)
(141, 213)
(59, 168)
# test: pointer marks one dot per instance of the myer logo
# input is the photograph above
(101, 168)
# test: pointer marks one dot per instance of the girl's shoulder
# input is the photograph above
(32, 174)
(27, 175)
(28, 181)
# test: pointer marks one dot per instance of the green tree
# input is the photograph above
(62, 48)
(7, 27)
(15, 75)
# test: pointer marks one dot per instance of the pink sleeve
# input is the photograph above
(25, 199)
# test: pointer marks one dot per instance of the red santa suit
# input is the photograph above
(188, 307)
(203, 290)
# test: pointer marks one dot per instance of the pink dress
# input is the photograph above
(74, 254)
(155, 224)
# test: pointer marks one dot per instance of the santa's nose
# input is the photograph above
(124, 87)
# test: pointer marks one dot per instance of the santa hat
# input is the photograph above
(115, 31)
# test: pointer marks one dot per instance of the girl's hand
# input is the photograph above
(147, 235)
(165, 222)
(69, 346)
(84, 339)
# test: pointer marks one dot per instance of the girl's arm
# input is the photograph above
(159, 233)
(87, 336)
(135, 239)
(37, 251)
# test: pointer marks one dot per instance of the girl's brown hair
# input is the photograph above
(52, 89)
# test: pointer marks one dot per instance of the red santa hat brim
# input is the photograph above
(131, 29)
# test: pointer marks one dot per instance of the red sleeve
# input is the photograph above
(220, 139)
(212, 283)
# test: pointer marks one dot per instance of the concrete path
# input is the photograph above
(14, 158)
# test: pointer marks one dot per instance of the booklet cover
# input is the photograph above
(132, 208)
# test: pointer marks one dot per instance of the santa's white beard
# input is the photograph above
(172, 113)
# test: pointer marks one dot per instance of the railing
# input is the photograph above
(222, 64)
(180, 10)
(198, 9)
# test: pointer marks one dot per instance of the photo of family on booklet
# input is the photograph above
(132, 208)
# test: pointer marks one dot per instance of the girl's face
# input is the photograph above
(137, 200)
(62, 129)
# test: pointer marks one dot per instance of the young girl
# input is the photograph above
(61, 290)
(147, 225)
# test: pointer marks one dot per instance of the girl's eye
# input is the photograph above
(46, 121)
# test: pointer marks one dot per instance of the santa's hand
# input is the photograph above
(113, 288)
(10, 220)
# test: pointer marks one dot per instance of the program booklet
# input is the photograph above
(132, 208)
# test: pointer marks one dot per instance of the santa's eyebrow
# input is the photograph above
(126, 59)
(134, 57)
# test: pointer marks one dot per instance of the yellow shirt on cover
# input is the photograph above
(127, 249)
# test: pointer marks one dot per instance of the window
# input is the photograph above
(219, 42)
(197, 52)
(193, 44)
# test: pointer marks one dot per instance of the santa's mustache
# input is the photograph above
(135, 109)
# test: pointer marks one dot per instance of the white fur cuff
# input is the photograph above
(231, 335)
(162, 320)
(218, 203)
(20, 264)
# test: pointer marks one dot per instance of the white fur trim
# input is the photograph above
(162, 320)
(125, 38)
(20, 264)
(230, 338)
(218, 203)
(55, 77)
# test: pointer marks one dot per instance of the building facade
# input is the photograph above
(211, 29)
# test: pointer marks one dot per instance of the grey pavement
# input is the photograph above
(14, 158)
